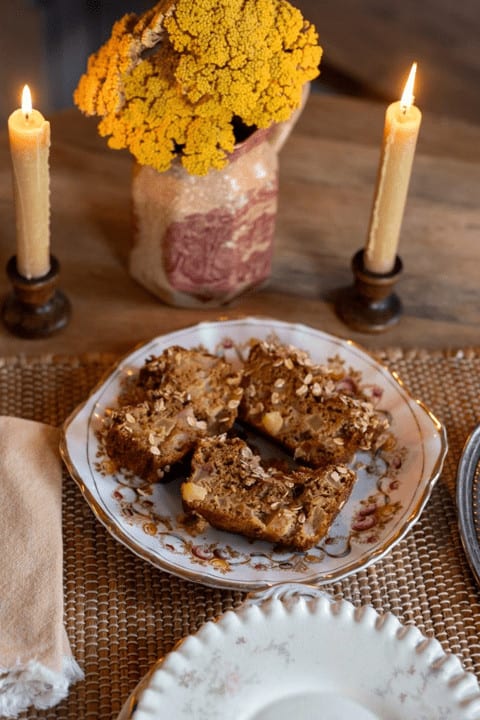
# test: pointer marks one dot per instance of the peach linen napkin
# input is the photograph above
(36, 665)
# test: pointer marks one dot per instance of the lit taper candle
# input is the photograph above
(402, 124)
(29, 135)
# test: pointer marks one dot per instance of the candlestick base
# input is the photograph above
(35, 308)
(370, 305)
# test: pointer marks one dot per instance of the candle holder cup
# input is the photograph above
(370, 305)
(35, 308)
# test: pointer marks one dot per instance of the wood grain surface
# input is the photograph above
(370, 45)
(328, 169)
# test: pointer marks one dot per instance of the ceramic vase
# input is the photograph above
(201, 241)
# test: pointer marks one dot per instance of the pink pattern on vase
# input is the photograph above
(201, 241)
(221, 251)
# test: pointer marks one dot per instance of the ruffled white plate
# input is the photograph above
(388, 498)
(292, 652)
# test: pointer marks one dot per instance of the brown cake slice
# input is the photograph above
(147, 438)
(310, 409)
(230, 488)
(175, 399)
(208, 382)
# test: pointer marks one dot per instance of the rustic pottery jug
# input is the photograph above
(200, 241)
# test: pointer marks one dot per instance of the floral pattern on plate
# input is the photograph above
(389, 495)
(293, 651)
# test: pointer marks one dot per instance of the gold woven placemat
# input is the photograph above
(121, 614)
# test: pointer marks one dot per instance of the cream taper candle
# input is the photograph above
(402, 124)
(29, 135)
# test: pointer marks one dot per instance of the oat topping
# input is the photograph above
(184, 403)
(294, 508)
(167, 406)
(325, 414)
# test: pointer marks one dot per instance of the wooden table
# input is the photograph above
(121, 613)
(328, 169)
(370, 45)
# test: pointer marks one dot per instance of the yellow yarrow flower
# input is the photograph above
(168, 85)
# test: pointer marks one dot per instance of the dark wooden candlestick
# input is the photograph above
(35, 308)
(370, 305)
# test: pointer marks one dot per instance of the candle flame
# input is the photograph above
(408, 96)
(26, 101)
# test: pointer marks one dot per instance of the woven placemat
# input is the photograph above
(122, 614)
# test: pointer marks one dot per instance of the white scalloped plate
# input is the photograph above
(293, 652)
(388, 498)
